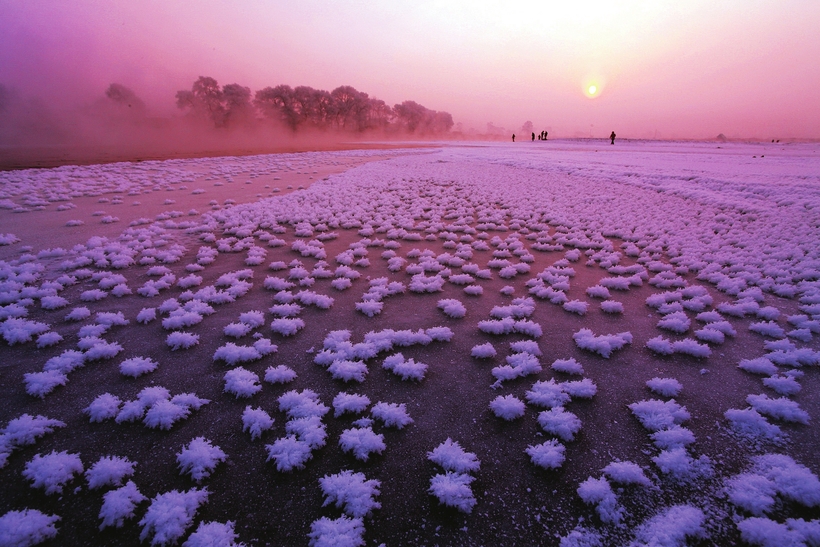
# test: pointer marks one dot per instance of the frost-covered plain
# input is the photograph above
(558, 344)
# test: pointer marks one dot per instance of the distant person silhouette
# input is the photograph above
(533, 136)
(513, 137)
(612, 137)
(545, 135)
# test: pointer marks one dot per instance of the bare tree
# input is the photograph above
(125, 98)
(351, 108)
(237, 105)
(344, 108)
(417, 119)
(205, 101)
(410, 114)
(277, 103)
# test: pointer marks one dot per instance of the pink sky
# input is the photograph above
(672, 69)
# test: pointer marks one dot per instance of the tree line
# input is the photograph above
(343, 109)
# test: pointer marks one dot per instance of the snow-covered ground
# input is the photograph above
(551, 343)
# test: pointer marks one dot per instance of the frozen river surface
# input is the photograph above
(550, 343)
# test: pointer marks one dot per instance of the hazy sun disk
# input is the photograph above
(592, 89)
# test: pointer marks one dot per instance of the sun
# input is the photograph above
(592, 86)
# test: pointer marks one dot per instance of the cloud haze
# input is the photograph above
(666, 69)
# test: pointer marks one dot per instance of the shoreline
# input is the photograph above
(16, 159)
(45, 157)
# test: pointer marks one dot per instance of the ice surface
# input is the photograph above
(711, 253)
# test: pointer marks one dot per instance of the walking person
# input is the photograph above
(612, 138)
(513, 137)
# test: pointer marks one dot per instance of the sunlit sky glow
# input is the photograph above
(670, 69)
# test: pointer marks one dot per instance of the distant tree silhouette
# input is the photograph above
(417, 119)
(411, 114)
(204, 101)
(237, 105)
(125, 97)
(277, 103)
(343, 109)
(307, 108)
(353, 109)
(380, 114)
(5, 98)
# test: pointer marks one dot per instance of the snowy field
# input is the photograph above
(560, 343)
